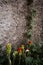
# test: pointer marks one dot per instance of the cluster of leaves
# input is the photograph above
(25, 54)
(30, 22)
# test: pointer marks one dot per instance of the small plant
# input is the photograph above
(25, 54)
(8, 52)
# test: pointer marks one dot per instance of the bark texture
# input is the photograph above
(38, 21)
(13, 20)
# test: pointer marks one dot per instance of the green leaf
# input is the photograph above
(28, 60)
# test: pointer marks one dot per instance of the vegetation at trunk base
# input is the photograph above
(25, 54)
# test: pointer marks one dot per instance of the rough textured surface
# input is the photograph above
(38, 23)
(12, 20)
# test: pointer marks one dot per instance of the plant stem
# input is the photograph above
(9, 61)
(19, 59)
